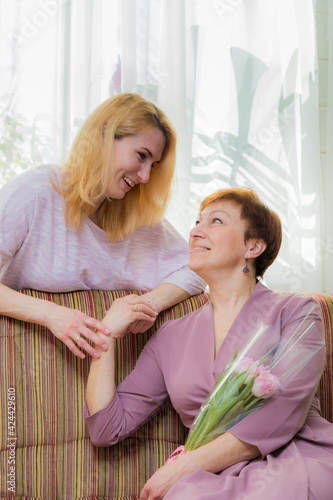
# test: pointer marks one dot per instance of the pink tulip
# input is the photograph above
(248, 365)
(265, 385)
(263, 370)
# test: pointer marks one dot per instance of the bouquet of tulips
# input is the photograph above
(248, 383)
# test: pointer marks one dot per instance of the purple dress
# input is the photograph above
(296, 443)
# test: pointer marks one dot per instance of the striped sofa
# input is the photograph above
(45, 448)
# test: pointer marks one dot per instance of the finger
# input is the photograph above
(97, 325)
(75, 330)
(148, 304)
(141, 326)
(83, 344)
(138, 299)
(139, 319)
(144, 317)
(144, 495)
(144, 308)
(94, 337)
(132, 328)
(73, 339)
(72, 346)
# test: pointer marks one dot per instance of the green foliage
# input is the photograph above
(20, 145)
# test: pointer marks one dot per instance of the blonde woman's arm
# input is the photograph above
(66, 324)
(162, 297)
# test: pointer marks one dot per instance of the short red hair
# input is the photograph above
(262, 222)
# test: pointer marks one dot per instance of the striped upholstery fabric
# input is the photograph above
(54, 458)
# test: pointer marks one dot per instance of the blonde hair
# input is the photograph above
(87, 175)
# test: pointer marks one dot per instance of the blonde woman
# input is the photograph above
(96, 223)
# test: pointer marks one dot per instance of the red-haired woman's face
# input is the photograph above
(217, 240)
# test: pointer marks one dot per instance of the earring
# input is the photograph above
(246, 270)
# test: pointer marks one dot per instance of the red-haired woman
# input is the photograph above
(285, 448)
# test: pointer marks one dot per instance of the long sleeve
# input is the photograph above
(17, 209)
(139, 396)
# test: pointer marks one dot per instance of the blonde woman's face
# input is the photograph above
(134, 157)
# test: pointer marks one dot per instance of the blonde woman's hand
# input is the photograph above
(132, 313)
(74, 328)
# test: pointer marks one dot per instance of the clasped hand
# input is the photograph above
(132, 313)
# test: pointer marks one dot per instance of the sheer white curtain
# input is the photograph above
(328, 162)
(238, 78)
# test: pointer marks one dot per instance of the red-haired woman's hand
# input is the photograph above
(160, 482)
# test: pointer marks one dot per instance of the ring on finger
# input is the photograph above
(77, 338)
(136, 308)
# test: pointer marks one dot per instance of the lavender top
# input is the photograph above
(38, 250)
